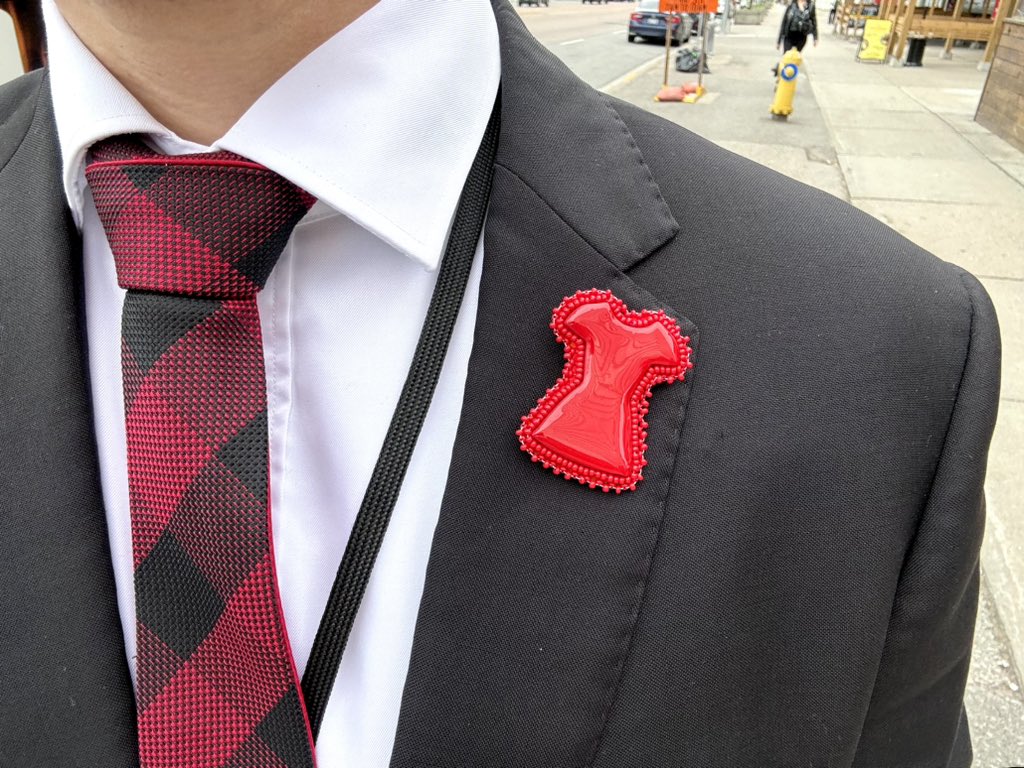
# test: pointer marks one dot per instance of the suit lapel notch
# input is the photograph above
(603, 190)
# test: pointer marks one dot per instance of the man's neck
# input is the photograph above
(198, 65)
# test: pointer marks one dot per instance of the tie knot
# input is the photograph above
(210, 225)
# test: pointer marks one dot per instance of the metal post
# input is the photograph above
(703, 50)
(668, 45)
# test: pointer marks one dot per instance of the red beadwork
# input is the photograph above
(590, 426)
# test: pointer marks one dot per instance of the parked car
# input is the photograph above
(648, 23)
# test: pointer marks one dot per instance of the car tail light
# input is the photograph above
(637, 17)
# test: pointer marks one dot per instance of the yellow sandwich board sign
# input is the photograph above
(875, 43)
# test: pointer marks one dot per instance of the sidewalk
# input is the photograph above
(901, 144)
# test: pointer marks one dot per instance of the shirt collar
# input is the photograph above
(380, 123)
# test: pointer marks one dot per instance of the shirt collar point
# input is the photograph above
(427, 255)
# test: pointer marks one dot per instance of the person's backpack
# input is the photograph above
(801, 20)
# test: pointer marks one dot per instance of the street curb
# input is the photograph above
(629, 77)
(1002, 581)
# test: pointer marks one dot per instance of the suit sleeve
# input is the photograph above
(916, 717)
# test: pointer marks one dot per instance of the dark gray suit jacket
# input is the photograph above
(793, 584)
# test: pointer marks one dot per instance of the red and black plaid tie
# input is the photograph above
(194, 239)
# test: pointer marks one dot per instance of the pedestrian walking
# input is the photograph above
(798, 23)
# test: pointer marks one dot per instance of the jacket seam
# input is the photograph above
(642, 588)
(561, 218)
(652, 184)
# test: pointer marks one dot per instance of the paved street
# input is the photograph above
(902, 145)
(590, 39)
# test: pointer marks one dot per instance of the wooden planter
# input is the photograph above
(1002, 102)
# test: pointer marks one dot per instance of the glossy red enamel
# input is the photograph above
(590, 426)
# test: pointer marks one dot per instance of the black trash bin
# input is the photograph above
(915, 51)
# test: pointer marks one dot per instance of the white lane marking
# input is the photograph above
(620, 32)
(632, 75)
(573, 42)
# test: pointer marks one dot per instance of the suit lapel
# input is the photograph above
(534, 583)
(67, 696)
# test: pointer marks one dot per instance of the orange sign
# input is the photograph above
(688, 6)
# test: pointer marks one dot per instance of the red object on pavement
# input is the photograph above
(670, 93)
(590, 426)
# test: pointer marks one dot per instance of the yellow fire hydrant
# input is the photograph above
(785, 88)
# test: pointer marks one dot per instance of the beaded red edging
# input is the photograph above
(572, 378)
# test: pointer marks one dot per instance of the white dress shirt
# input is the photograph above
(381, 124)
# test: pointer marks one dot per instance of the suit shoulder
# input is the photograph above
(19, 94)
(18, 99)
(739, 219)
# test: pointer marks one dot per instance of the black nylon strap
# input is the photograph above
(386, 481)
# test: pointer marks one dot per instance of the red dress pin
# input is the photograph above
(590, 426)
